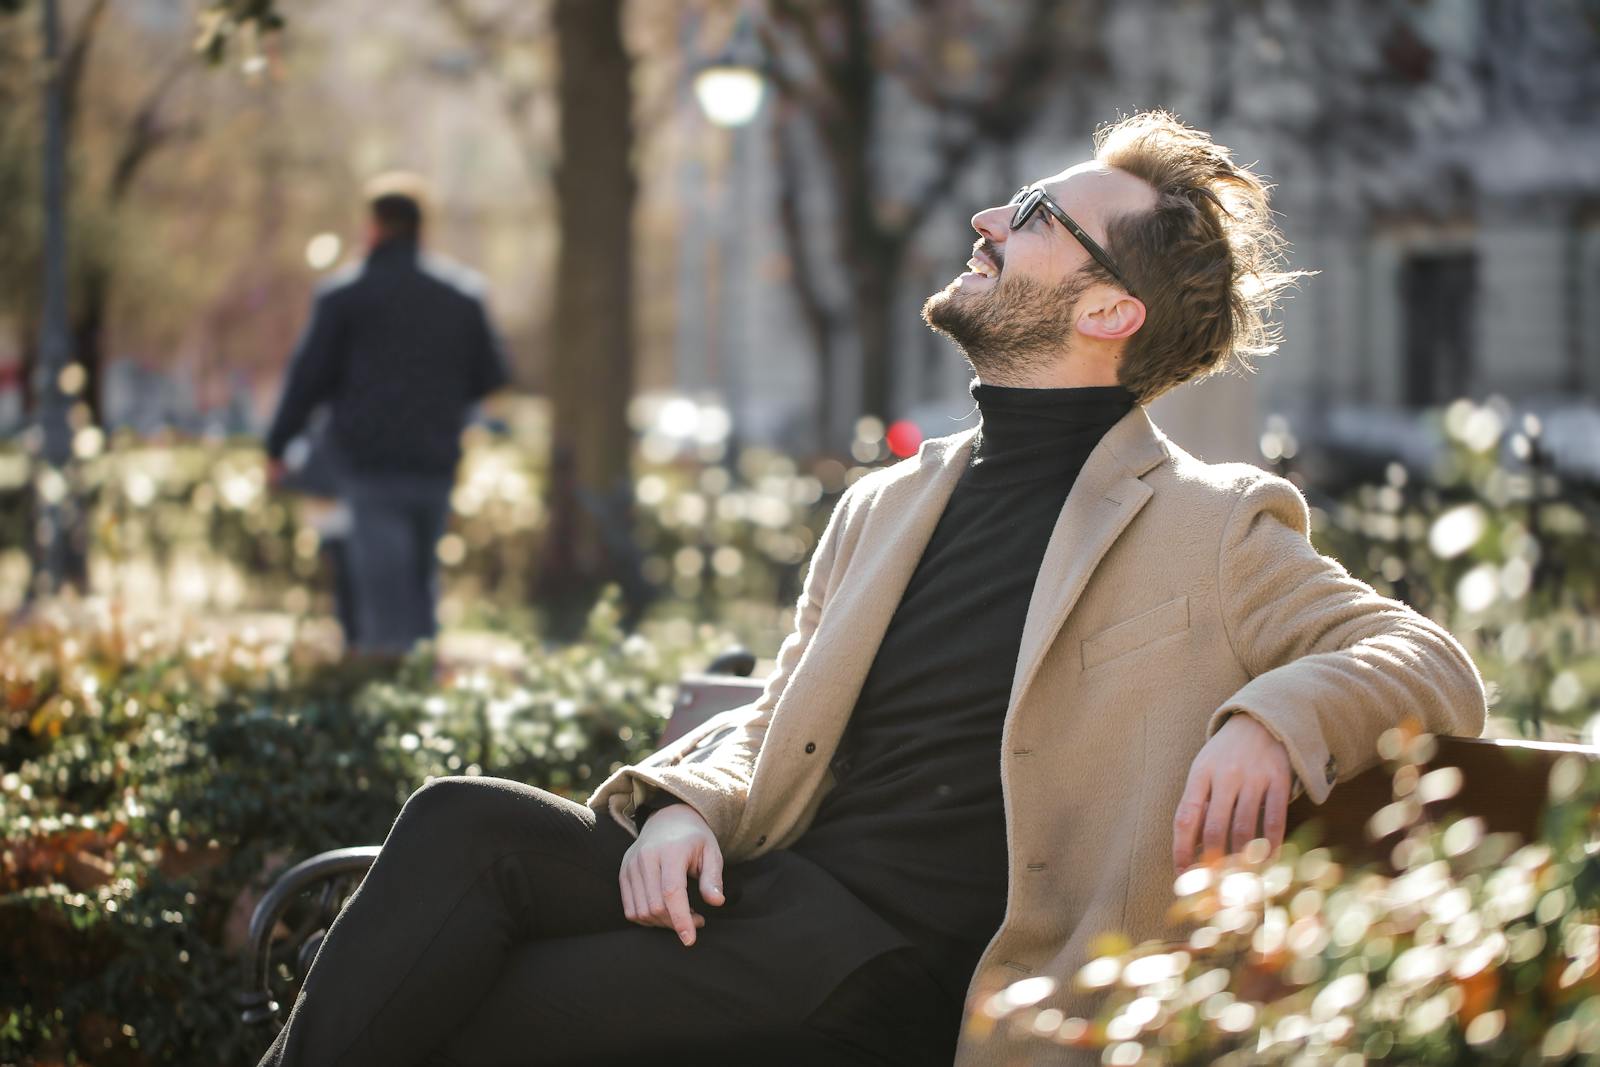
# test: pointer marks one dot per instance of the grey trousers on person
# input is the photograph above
(392, 556)
(490, 932)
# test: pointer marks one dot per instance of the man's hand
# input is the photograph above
(276, 472)
(674, 843)
(1242, 773)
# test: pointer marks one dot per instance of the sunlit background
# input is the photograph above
(707, 228)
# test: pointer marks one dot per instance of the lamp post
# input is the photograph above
(730, 90)
(56, 517)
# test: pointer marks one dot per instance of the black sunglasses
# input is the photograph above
(1030, 199)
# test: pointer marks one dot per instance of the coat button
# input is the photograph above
(811, 746)
(761, 840)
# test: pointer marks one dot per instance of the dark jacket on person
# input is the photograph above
(401, 347)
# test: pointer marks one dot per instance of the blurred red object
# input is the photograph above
(904, 437)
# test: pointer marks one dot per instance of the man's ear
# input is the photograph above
(1116, 318)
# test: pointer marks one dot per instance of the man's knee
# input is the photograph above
(478, 807)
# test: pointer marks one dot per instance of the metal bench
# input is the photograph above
(1505, 783)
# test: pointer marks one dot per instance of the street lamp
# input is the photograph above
(731, 86)
(729, 94)
(729, 90)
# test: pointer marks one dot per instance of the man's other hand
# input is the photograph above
(1240, 776)
(675, 843)
(276, 472)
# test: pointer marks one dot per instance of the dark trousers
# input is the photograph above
(396, 523)
(490, 931)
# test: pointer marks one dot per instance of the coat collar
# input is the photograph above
(1108, 492)
(908, 506)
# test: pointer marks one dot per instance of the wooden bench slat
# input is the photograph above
(1505, 783)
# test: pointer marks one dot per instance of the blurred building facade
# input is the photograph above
(1437, 162)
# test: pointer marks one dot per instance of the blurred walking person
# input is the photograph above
(401, 348)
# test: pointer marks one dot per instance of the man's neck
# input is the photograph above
(1068, 371)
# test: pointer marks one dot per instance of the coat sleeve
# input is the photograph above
(489, 366)
(313, 372)
(1332, 663)
(717, 785)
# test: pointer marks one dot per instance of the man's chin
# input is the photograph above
(942, 304)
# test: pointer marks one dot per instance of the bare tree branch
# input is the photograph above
(146, 132)
(488, 38)
(999, 119)
(821, 320)
(840, 42)
(75, 62)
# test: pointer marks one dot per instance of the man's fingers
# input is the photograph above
(1246, 813)
(625, 881)
(655, 905)
(711, 876)
(1275, 813)
(1219, 813)
(1186, 823)
(641, 898)
(677, 900)
(627, 893)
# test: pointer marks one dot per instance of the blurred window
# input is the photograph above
(1588, 348)
(1438, 294)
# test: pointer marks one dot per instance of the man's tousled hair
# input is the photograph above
(1207, 260)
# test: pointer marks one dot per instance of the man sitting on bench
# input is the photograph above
(1037, 670)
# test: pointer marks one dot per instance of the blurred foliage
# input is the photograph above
(151, 777)
(1491, 543)
(221, 21)
(1500, 550)
(1481, 950)
(150, 780)
(190, 525)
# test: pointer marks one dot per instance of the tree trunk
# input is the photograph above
(876, 311)
(591, 341)
(88, 338)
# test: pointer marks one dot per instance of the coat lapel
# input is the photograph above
(827, 682)
(891, 543)
(1106, 496)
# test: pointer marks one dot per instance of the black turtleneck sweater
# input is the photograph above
(915, 825)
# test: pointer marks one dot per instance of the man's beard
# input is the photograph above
(1017, 326)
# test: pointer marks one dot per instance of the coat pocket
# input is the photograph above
(1164, 620)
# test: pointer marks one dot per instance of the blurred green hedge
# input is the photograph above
(1498, 548)
(1482, 950)
(149, 776)
(191, 525)
(149, 780)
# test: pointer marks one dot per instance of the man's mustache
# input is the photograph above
(985, 247)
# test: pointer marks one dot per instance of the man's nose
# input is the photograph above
(992, 223)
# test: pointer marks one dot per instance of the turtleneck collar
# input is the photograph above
(1031, 435)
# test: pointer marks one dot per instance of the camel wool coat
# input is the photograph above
(1172, 593)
